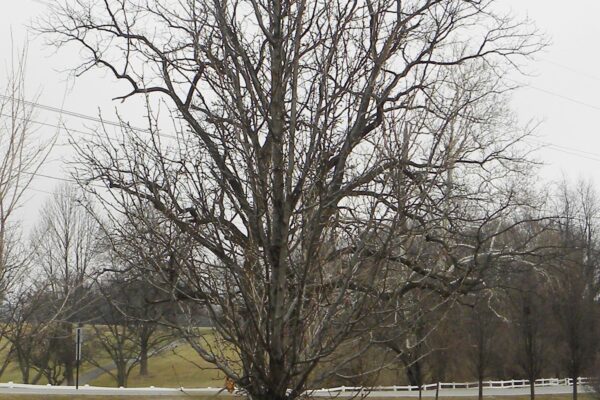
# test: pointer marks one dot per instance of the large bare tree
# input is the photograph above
(325, 159)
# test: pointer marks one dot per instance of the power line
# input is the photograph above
(62, 111)
(76, 115)
(580, 72)
(57, 126)
(122, 124)
(555, 94)
(574, 154)
(571, 99)
(566, 149)
(71, 113)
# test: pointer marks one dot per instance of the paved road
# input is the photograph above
(69, 390)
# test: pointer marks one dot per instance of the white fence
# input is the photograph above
(513, 383)
(342, 391)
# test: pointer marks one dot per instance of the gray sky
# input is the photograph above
(561, 93)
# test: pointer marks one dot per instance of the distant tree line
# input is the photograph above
(535, 315)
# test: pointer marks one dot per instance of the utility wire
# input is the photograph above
(76, 115)
(587, 74)
(571, 99)
(53, 126)
(71, 113)
(564, 149)
(122, 124)
(119, 124)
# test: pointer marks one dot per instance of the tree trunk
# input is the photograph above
(144, 356)
(70, 372)
(7, 360)
(532, 389)
(25, 375)
(122, 374)
(69, 357)
(574, 387)
(480, 391)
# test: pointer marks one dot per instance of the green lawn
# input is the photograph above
(172, 368)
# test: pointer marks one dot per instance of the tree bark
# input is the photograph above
(122, 374)
(69, 359)
(25, 375)
(144, 356)
(69, 372)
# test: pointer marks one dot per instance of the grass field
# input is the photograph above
(172, 368)
(180, 367)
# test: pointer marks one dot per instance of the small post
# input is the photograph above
(78, 341)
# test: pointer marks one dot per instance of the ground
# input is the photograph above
(24, 397)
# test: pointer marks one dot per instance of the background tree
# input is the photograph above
(576, 275)
(127, 325)
(483, 324)
(115, 334)
(576, 313)
(145, 251)
(531, 310)
(30, 317)
(22, 153)
(67, 251)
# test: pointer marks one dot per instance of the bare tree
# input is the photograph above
(142, 255)
(576, 277)
(116, 336)
(576, 313)
(127, 322)
(67, 249)
(30, 332)
(22, 153)
(531, 312)
(482, 325)
(316, 147)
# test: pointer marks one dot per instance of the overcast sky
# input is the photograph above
(561, 93)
